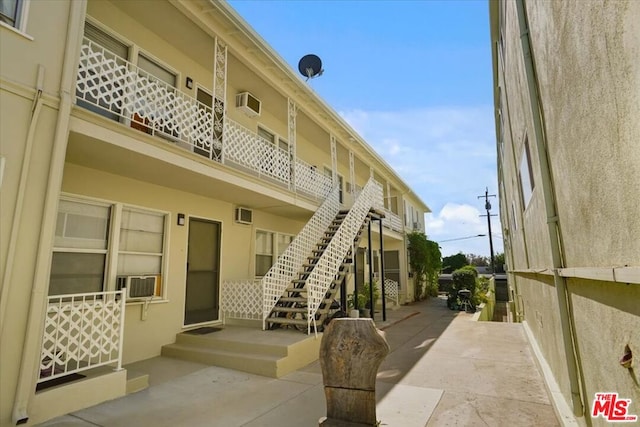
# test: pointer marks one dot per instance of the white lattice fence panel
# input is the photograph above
(246, 148)
(290, 262)
(112, 84)
(329, 263)
(310, 181)
(81, 331)
(391, 290)
(241, 300)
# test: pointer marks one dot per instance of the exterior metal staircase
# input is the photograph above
(292, 308)
(307, 287)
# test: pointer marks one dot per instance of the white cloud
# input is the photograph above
(460, 228)
(448, 156)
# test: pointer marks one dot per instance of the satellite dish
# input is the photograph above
(310, 66)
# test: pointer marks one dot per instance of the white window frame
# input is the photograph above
(103, 251)
(20, 23)
(276, 140)
(275, 252)
(160, 64)
(113, 241)
(160, 254)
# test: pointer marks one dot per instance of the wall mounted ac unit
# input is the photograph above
(138, 287)
(244, 216)
(248, 104)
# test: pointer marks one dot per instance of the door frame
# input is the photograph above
(186, 260)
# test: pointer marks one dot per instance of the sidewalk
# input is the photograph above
(443, 370)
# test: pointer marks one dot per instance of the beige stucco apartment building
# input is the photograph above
(162, 168)
(567, 105)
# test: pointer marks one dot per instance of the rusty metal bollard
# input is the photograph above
(350, 354)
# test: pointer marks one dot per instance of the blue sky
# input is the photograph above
(413, 78)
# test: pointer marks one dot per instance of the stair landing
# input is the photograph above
(269, 353)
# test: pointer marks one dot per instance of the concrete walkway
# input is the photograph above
(443, 370)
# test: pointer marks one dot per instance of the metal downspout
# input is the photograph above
(35, 322)
(551, 211)
(22, 189)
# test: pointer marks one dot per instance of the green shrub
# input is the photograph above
(363, 296)
(467, 278)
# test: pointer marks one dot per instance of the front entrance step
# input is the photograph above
(272, 354)
(136, 381)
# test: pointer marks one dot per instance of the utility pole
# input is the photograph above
(487, 206)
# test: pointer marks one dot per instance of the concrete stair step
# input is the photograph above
(211, 342)
(136, 381)
(248, 350)
(260, 364)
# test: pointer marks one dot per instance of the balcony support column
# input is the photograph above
(292, 111)
(352, 174)
(219, 99)
(334, 161)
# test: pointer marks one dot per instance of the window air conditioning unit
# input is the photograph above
(416, 225)
(248, 104)
(138, 287)
(244, 216)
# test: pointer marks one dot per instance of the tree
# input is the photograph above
(453, 262)
(425, 261)
(499, 262)
(433, 267)
(478, 260)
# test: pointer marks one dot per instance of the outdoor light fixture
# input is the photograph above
(180, 219)
(189, 83)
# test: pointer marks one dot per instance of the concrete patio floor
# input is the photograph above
(444, 369)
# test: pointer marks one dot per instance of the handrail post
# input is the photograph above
(121, 332)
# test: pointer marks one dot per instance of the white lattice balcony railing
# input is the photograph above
(290, 262)
(309, 180)
(82, 331)
(325, 271)
(392, 221)
(241, 300)
(249, 150)
(118, 89)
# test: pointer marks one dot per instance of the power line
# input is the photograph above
(462, 238)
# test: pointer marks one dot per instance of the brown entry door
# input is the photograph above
(203, 272)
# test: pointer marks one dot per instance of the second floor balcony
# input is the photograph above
(117, 89)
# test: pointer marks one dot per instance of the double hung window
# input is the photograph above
(269, 246)
(99, 87)
(80, 248)
(13, 13)
(94, 238)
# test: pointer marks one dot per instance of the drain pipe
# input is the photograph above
(555, 237)
(35, 322)
(22, 189)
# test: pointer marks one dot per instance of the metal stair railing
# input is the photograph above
(330, 261)
(289, 263)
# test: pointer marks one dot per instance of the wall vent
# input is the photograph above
(244, 216)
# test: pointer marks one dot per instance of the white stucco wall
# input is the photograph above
(588, 77)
